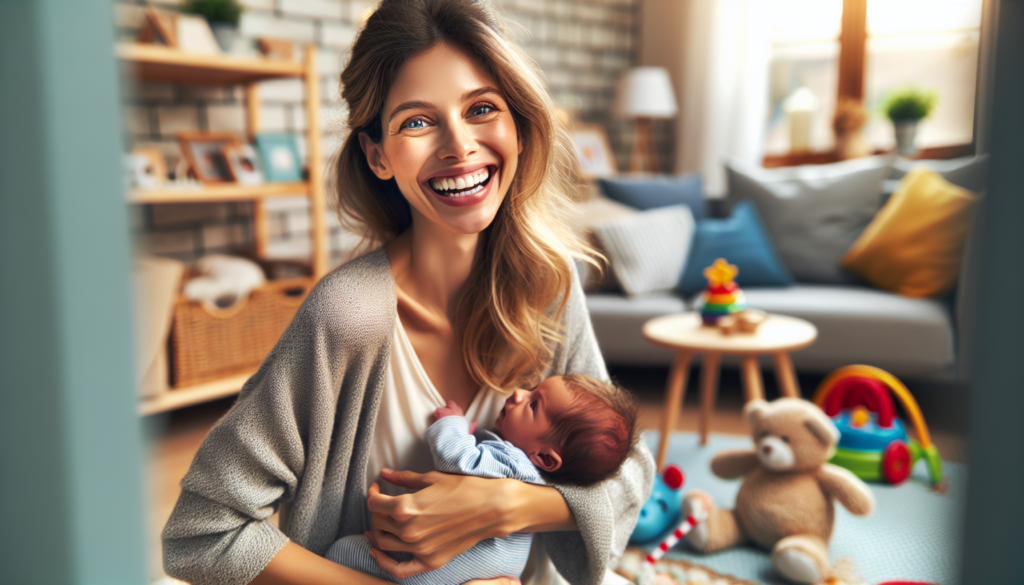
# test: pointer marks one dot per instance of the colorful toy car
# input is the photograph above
(662, 509)
(873, 443)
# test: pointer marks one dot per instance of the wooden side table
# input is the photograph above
(777, 336)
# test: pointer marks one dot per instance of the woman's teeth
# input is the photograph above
(463, 185)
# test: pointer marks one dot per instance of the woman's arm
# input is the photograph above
(294, 565)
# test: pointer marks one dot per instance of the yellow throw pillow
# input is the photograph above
(913, 245)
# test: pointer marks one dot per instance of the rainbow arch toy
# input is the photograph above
(873, 442)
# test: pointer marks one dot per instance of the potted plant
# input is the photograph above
(223, 16)
(906, 106)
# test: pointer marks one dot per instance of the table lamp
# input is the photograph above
(644, 93)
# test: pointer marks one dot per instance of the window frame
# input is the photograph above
(853, 38)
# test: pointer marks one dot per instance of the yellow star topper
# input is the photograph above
(720, 273)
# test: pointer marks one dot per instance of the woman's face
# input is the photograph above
(449, 140)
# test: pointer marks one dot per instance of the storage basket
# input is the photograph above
(208, 342)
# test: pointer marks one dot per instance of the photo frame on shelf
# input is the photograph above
(595, 153)
(280, 154)
(277, 49)
(204, 152)
(244, 164)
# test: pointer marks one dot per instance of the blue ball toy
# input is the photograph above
(662, 510)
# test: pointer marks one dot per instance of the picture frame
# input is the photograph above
(594, 152)
(244, 164)
(279, 152)
(204, 152)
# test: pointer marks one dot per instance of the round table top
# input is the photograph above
(778, 333)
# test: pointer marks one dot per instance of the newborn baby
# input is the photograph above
(569, 429)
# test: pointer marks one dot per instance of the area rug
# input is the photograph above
(913, 535)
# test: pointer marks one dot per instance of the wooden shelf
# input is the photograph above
(215, 193)
(190, 395)
(170, 65)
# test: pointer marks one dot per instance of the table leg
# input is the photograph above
(708, 388)
(784, 374)
(753, 389)
(674, 394)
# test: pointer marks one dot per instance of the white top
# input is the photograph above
(407, 407)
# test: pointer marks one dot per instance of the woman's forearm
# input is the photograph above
(535, 508)
(294, 565)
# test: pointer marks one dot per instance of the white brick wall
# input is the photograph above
(582, 46)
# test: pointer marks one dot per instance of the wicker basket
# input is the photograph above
(208, 342)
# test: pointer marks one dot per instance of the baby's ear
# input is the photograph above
(547, 459)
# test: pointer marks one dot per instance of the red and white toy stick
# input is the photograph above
(684, 528)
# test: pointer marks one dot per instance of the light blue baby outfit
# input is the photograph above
(456, 451)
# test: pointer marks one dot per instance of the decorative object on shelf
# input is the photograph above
(204, 152)
(135, 168)
(848, 125)
(277, 49)
(222, 17)
(645, 94)
(905, 107)
(222, 281)
(596, 157)
(280, 155)
(210, 343)
(244, 164)
(155, 285)
(158, 26)
(873, 442)
(801, 107)
(156, 169)
(195, 36)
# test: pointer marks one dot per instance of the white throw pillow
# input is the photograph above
(647, 250)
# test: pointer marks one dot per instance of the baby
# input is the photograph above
(569, 429)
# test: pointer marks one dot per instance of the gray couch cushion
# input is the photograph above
(813, 212)
(968, 172)
(859, 325)
(618, 323)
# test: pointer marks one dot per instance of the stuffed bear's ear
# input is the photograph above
(823, 430)
(754, 411)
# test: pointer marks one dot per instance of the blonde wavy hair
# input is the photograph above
(507, 319)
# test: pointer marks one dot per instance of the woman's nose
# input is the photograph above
(459, 142)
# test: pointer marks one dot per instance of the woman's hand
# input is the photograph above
(451, 513)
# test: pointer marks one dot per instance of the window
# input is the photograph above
(863, 49)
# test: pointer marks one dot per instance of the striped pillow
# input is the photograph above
(648, 250)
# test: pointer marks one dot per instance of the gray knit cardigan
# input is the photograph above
(299, 435)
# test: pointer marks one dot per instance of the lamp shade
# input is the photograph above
(645, 92)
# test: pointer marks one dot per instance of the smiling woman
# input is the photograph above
(456, 164)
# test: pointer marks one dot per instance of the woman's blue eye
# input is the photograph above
(481, 109)
(415, 124)
(533, 405)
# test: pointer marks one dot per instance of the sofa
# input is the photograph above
(913, 338)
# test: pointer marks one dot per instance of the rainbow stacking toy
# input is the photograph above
(722, 297)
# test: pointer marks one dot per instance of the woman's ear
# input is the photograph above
(375, 157)
(547, 459)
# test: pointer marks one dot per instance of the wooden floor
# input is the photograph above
(175, 437)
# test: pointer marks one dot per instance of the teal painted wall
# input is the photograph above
(70, 442)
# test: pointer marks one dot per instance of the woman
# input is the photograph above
(456, 163)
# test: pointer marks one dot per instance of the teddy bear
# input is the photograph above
(786, 501)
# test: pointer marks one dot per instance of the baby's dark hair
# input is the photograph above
(594, 433)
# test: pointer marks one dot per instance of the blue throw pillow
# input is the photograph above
(651, 192)
(743, 241)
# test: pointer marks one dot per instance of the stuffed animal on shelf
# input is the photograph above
(786, 502)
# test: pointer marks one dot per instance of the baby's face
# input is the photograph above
(526, 416)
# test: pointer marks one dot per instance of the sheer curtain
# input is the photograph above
(723, 87)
